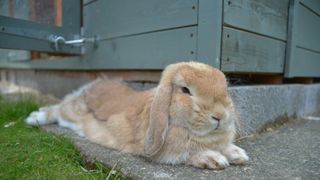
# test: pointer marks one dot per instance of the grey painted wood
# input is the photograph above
(247, 52)
(306, 64)
(267, 17)
(30, 35)
(68, 63)
(114, 18)
(146, 51)
(303, 47)
(14, 55)
(307, 28)
(9, 41)
(312, 4)
(209, 32)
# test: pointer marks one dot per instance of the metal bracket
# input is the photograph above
(59, 40)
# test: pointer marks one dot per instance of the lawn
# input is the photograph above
(31, 153)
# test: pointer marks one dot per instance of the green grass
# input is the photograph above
(31, 153)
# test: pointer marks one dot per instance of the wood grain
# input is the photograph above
(267, 17)
(247, 52)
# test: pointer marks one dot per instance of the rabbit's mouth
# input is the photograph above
(215, 122)
(218, 125)
(208, 129)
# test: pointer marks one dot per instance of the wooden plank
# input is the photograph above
(303, 47)
(313, 5)
(14, 55)
(267, 17)
(307, 29)
(125, 75)
(110, 18)
(247, 52)
(9, 41)
(288, 71)
(58, 12)
(64, 83)
(146, 51)
(209, 32)
(69, 63)
(29, 35)
(306, 63)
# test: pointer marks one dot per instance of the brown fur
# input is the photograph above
(164, 123)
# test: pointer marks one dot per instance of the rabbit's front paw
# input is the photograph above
(209, 159)
(235, 154)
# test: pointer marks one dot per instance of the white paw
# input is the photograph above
(37, 118)
(236, 155)
(210, 159)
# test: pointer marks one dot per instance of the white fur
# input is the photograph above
(70, 125)
(218, 157)
(212, 159)
(37, 118)
(41, 118)
(235, 154)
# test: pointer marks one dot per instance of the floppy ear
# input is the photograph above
(158, 120)
(159, 116)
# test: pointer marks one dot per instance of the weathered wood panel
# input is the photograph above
(14, 55)
(306, 64)
(303, 47)
(307, 29)
(267, 17)
(114, 18)
(313, 5)
(146, 51)
(65, 81)
(209, 32)
(247, 52)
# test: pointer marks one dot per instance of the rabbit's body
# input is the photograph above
(189, 118)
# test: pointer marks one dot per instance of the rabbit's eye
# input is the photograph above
(185, 90)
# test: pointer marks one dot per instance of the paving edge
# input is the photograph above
(261, 105)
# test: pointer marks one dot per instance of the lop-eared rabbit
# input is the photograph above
(188, 118)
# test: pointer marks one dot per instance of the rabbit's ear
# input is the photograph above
(159, 113)
(159, 119)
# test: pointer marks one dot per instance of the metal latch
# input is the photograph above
(59, 40)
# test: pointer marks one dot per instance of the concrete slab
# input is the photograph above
(290, 152)
(261, 105)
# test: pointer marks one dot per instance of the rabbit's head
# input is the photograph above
(192, 95)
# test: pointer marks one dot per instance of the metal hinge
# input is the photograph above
(57, 41)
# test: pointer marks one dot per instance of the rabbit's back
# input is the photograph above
(110, 113)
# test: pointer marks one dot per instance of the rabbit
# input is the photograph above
(189, 118)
